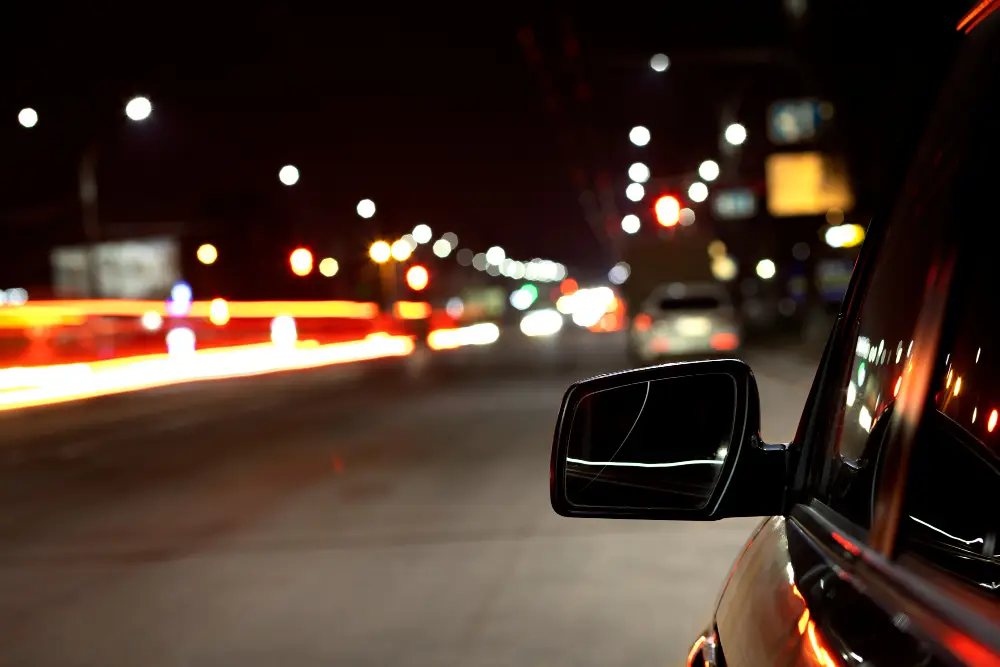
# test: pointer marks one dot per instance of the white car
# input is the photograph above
(684, 320)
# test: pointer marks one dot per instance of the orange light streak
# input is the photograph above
(75, 309)
(32, 387)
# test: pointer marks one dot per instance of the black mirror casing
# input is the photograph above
(754, 475)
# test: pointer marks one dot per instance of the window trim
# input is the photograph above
(942, 609)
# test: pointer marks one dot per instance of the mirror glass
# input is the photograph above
(657, 444)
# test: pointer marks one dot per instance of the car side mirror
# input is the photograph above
(678, 441)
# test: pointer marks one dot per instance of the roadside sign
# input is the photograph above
(796, 121)
(734, 204)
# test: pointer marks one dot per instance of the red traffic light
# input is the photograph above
(417, 278)
(668, 210)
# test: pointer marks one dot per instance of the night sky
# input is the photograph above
(435, 113)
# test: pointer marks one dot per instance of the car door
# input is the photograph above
(890, 553)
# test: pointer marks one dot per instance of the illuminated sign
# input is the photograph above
(796, 121)
(734, 204)
(801, 184)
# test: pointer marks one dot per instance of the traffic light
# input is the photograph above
(668, 210)
(417, 278)
(301, 261)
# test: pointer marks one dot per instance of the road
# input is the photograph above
(344, 516)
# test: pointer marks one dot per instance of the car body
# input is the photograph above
(684, 320)
(879, 541)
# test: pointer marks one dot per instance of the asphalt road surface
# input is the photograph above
(344, 516)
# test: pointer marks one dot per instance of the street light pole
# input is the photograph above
(91, 219)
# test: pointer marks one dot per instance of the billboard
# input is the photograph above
(809, 183)
(137, 269)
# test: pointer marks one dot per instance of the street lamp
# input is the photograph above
(207, 253)
(639, 135)
(638, 172)
(328, 266)
(380, 252)
(401, 250)
(698, 192)
(289, 174)
(736, 134)
(422, 233)
(630, 224)
(708, 170)
(366, 208)
(635, 192)
(27, 117)
(660, 62)
(138, 108)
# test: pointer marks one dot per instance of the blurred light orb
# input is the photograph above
(736, 134)
(401, 250)
(422, 234)
(218, 312)
(441, 248)
(328, 267)
(151, 320)
(289, 174)
(463, 256)
(181, 292)
(417, 278)
(27, 117)
(301, 261)
(619, 273)
(138, 108)
(366, 208)
(180, 342)
(639, 135)
(659, 62)
(495, 255)
(709, 170)
(451, 238)
(455, 307)
(630, 224)
(766, 269)
(635, 192)
(724, 268)
(283, 331)
(16, 296)
(687, 217)
(698, 192)
(207, 253)
(380, 252)
(521, 299)
(638, 172)
(479, 261)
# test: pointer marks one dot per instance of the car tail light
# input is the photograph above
(725, 341)
(642, 322)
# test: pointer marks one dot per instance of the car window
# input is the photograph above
(917, 244)
(951, 515)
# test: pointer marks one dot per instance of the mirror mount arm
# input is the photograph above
(760, 483)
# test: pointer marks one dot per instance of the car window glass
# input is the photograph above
(952, 516)
(918, 239)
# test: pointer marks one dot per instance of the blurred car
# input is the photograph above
(683, 320)
(879, 539)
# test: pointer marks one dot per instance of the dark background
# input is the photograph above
(488, 122)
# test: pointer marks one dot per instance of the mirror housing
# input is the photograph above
(748, 478)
